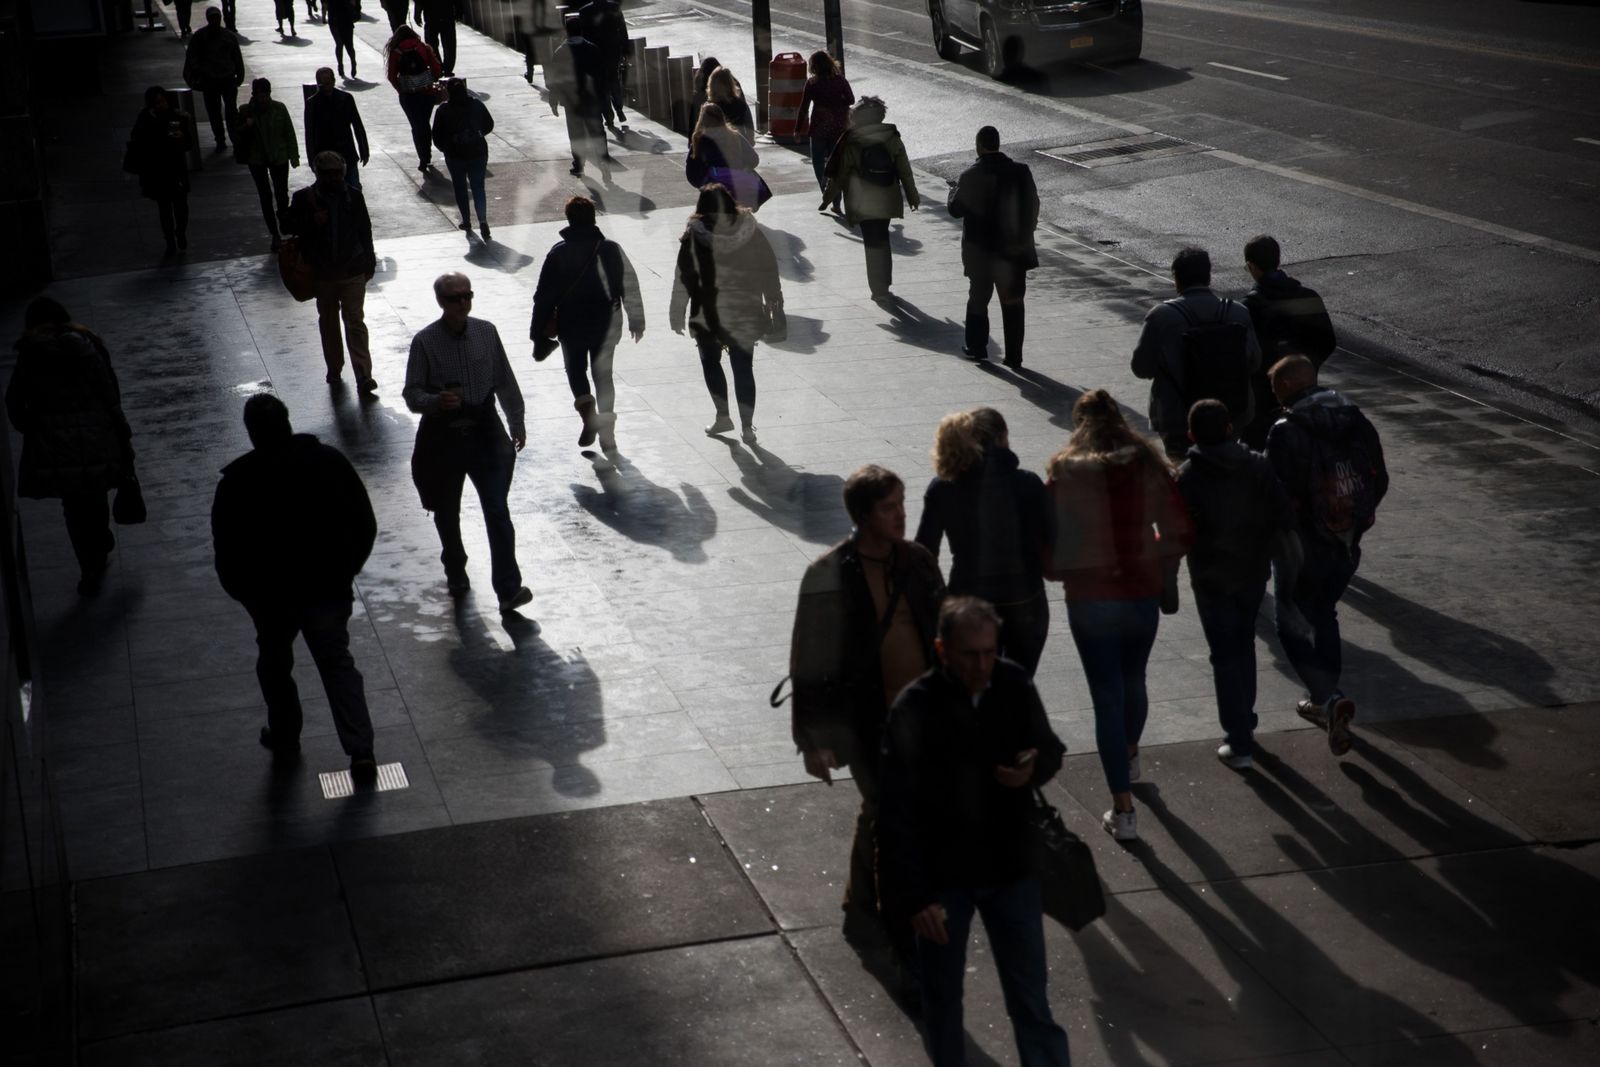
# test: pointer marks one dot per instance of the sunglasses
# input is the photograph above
(456, 298)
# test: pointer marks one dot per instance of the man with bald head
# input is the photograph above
(333, 124)
(456, 371)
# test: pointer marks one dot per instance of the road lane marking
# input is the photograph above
(1247, 70)
(1586, 140)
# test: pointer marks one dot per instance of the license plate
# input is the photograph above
(1081, 42)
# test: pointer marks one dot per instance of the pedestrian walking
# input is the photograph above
(414, 71)
(719, 153)
(701, 84)
(1289, 319)
(158, 152)
(723, 89)
(966, 746)
(1240, 515)
(1121, 522)
(311, 10)
(998, 206)
(292, 526)
(330, 219)
(864, 628)
(284, 9)
(575, 79)
(726, 288)
(396, 10)
(870, 169)
(64, 400)
(1000, 522)
(460, 132)
(456, 371)
(267, 144)
(341, 16)
(438, 21)
(230, 11)
(333, 124)
(825, 107)
(585, 286)
(1196, 346)
(1330, 460)
(213, 66)
(603, 22)
(183, 8)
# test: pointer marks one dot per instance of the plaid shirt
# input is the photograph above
(475, 360)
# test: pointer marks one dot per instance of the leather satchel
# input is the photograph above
(1068, 881)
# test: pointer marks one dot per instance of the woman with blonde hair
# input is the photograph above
(723, 89)
(1120, 519)
(999, 522)
(718, 153)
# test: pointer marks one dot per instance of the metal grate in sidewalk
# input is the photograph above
(337, 784)
(1123, 150)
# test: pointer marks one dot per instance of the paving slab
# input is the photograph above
(732, 1003)
(339, 1033)
(523, 892)
(1521, 762)
(1577, 1041)
(160, 948)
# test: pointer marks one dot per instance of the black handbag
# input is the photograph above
(127, 507)
(1068, 881)
(777, 324)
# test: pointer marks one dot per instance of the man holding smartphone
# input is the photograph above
(965, 746)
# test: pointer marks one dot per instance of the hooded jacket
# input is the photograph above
(864, 199)
(1106, 506)
(64, 400)
(1311, 414)
(1000, 522)
(587, 278)
(1238, 508)
(291, 523)
(1289, 319)
(998, 206)
(726, 279)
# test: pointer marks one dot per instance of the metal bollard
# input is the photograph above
(680, 91)
(655, 70)
(637, 89)
(182, 100)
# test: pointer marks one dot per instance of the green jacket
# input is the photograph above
(864, 199)
(265, 136)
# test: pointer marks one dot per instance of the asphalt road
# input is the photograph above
(1431, 166)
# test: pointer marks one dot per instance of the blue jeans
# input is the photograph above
(1114, 639)
(1229, 620)
(820, 150)
(1322, 580)
(465, 172)
(1014, 918)
(490, 467)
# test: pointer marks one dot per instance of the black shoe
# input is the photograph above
(363, 769)
(516, 600)
(425, 165)
(458, 584)
(91, 581)
(278, 746)
(172, 247)
(483, 230)
(576, 168)
(332, 377)
(277, 244)
(979, 357)
(183, 242)
(1013, 363)
(368, 387)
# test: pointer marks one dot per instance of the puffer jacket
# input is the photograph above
(1106, 506)
(726, 281)
(864, 199)
(1239, 508)
(64, 400)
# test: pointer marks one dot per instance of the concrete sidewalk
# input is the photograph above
(510, 926)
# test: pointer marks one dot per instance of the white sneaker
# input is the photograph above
(1134, 770)
(1121, 825)
(1239, 763)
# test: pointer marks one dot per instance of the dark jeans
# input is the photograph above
(396, 10)
(861, 890)
(173, 211)
(1013, 915)
(229, 8)
(435, 31)
(419, 113)
(1229, 620)
(1011, 282)
(1114, 639)
(490, 466)
(325, 626)
(222, 107)
(1024, 628)
(880, 268)
(88, 519)
(344, 40)
(465, 173)
(274, 196)
(583, 352)
(742, 360)
(1322, 580)
(183, 7)
(820, 150)
(586, 133)
(611, 99)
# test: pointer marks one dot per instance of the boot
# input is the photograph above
(585, 407)
(606, 423)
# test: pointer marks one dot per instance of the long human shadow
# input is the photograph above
(805, 335)
(911, 325)
(539, 704)
(807, 505)
(793, 266)
(627, 200)
(492, 253)
(648, 513)
(1053, 397)
(1263, 931)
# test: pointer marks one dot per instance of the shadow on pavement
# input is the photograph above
(650, 514)
(805, 504)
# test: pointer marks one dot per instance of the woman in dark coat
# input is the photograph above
(460, 131)
(727, 282)
(723, 89)
(64, 400)
(341, 16)
(827, 98)
(159, 150)
(719, 153)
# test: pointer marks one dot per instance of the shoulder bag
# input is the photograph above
(1068, 881)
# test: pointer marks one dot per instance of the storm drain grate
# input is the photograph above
(336, 784)
(1123, 150)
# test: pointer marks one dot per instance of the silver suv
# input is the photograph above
(1011, 33)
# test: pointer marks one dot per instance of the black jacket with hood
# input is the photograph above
(1238, 508)
(1313, 413)
(587, 279)
(1289, 320)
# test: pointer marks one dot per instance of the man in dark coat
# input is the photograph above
(603, 23)
(575, 77)
(64, 400)
(333, 124)
(1289, 319)
(335, 233)
(292, 526)
(998, 206)
(214, 67)
(438, 21)
(966, 745)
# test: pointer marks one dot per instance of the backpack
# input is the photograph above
(466, 142)
(413, 71)
(1344, 481)
(1216, 361)
(877, 165)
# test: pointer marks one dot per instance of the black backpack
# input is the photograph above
(411, 62)
(1216, 361)
(877, 164)
(1344, 480)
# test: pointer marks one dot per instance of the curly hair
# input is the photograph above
(1098, 431)
(961, 439)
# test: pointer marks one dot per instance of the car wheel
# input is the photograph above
(946, 45)
(996, 57)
